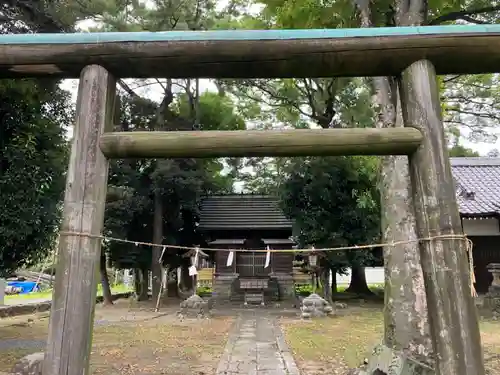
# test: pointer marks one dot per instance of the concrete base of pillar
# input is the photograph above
(385, 360)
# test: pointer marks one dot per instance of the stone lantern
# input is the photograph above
(494, 289)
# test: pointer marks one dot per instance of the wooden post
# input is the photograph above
(3, 284)
(247, 143)
(452, 315)
(72, 313)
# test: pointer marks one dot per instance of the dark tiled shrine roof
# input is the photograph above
(477, 182)
(242, 211)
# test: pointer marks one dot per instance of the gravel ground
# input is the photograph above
(9, 344)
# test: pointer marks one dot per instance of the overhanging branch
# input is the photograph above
(464, 15)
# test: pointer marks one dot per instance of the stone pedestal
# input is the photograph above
(195, 307)
(222, 286)
(3, 284)
(386, 361)
(286, 285)
(314, 306)
(29, 365)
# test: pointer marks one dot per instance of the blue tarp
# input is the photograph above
(26, 286)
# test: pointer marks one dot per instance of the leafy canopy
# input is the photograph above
(33, 154)
(334, 202)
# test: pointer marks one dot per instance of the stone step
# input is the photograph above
(254, 298)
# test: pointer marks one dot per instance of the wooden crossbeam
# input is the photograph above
(457, 49)
(303, 142)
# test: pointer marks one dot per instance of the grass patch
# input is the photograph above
(47, 294)
(332, 345)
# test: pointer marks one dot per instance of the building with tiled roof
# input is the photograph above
(248, 221)
(242, 211)
(477, 183)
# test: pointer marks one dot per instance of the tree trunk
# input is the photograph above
(405, 298)
(156, 266)
(137, 283)
(141, 284)
(186, 284)
(405, 313)
(172, 287)
(106, 288)
(327, 291)
(358, 284)
(334, 285)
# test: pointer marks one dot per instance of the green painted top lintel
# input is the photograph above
(243, 35)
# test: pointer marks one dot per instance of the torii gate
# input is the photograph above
(415, 54)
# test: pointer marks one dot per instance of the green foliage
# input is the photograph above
(459, 151)
(204, 290)
(472, 103)
(32, 170)
(309, 14)
(217, 112)
(334, 201)
(473, 11)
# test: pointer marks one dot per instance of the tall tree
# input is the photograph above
(33, 154)
(405, 296)
(334, 202)
(33, 149)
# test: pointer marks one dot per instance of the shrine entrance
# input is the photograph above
(414, 55)
(252, 264)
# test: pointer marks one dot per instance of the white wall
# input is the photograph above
(481, 227)
(374, 275)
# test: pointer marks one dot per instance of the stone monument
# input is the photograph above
(314, 306)
(494, 289)
(29, 365)
(195, 307)
(492, 298)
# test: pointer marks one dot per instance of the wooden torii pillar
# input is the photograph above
(72, 312)
(452, 314)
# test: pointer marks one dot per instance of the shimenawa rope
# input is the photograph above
(462, 237)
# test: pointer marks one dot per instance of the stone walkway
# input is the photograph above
(256, 347)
